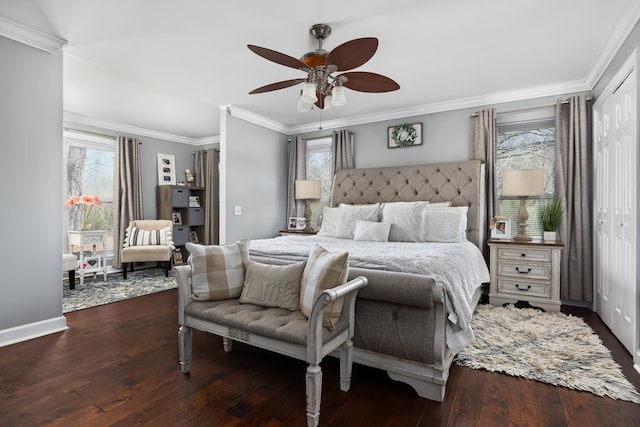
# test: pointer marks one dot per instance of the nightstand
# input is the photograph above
(297, 233)
(525, 271)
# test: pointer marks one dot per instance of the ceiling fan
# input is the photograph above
(322, 86)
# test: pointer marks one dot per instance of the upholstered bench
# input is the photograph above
(297, 333)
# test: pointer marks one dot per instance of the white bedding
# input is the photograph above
(459, 267)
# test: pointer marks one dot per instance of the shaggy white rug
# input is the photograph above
(553, 348)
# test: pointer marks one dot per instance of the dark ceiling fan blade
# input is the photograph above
(279, 58)
(353, 54)
(362, 81)
(276, 86)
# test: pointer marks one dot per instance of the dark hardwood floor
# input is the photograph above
(118, 365)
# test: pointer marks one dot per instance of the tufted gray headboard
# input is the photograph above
(462, 183)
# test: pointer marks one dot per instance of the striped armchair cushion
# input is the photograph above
(135, 236)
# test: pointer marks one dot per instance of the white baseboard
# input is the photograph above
(32, 330)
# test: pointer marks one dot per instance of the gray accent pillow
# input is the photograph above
(372, 231)
(405, 219)
(273, 285)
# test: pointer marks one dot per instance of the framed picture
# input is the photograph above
(404, 135)
(177, 257)
(166, 169)
(177, 218)
(193, 237)
(194, 201)
(91, 262)
(296, 223)
(501, 229)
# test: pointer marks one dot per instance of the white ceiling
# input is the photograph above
(168, 65)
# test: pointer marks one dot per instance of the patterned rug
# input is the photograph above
(95, 292)
(553, 348)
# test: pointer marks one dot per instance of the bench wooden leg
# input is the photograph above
(227, 344)
(184, 348)
(346, 363)
(314, 393)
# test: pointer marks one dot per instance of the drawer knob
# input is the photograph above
(523, 272)
(523, 288)
(523, 255)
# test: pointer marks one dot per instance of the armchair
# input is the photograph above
(147, 240)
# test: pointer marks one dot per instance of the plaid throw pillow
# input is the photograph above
(137, 237)
(217, 271)
(324, 270)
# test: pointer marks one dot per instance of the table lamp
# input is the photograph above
(307, 190)
(523, 183)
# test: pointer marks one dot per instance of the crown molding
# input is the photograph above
(459, 104)
(255, 118)
(29, 36)
(626, 23)
(70, 118)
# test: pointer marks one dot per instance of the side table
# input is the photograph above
(525, 271)
(297, 233)
(96, 263)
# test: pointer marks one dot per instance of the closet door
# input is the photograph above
(615, 211)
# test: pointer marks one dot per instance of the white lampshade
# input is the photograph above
(338, 98)
(309, 93)
(523, 182)
(327, 103)
(302, 106)
(307, 189)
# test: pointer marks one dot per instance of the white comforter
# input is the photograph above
(459, 267)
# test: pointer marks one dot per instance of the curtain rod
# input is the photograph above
(514, 110)
(215, 149)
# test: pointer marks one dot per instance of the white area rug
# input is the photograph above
(553, 348)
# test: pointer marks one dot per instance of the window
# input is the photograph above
(88, 166)
(526, 140)
(319, 164)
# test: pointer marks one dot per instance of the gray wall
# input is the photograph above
(31, 191)
(256, 177)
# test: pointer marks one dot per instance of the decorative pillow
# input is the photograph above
(273, 285)
(350, 214)
(373, 231)
(324, 270)
(446, 225)
(329, 221)
(135, 236)
(405, 219)
(217, 271)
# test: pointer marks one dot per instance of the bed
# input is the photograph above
(415, 314)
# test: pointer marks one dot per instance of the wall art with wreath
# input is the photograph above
(404, 135)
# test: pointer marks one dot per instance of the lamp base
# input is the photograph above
(307, 217)
(523, 216)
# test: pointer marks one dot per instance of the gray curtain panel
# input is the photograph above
(127, 191)
(207, 176)
(572, 181)
(342, 150)
(297, 170)
(485, 138)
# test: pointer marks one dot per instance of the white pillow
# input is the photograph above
(373, 231)
(446, 225)
(329, 221)
(405, 219)
(351, 214)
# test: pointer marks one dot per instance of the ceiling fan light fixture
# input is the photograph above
(302, 106)
(308, 93)
(338, 98)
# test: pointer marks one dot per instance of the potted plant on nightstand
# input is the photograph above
(550, 216)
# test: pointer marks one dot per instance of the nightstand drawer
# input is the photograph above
(524, 254)
(524, 287)
(525, 270)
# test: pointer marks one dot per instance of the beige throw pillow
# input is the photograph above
(273, 285)
(217, 271)
(324, 270)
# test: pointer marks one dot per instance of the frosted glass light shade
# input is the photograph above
(327, 103)
(523, 182)
(338, 98)
(309, 93)
(302, 106)
(307, 189)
